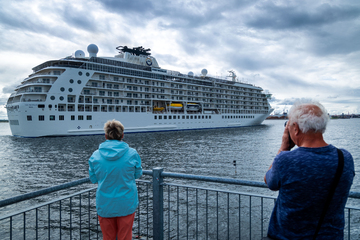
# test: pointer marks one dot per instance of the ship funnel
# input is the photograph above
(93, 50)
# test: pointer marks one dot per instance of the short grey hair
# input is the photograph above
(114, 130)
(310, 116)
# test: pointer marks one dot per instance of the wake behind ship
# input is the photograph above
(76, 95)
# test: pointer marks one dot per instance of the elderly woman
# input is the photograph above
(115, 166)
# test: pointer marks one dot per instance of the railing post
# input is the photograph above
(158, 211)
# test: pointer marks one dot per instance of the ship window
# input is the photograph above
(52, 118)
(70, 89)
(56, 72)
(41, 106)
(80, 117)
(88, 117)
(169, 117)
(195, 117)
(41, 118)
(61, 117)
(72, 117)
(87, 74)
(160, 117)
(29, 117)
(155, 117)
(102, 77)
(191, 117)
(52, 97)
(187, 117)
(50, 106)
(79, 81)
(80, 73)
(209, 117)
(71, 80)
(183, 117)
(165, 117)
(62, 89)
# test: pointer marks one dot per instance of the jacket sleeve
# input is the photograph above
(273, 175)
(138, 168)
(92, 174)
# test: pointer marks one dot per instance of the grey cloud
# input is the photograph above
(128, 7)
(9, 89)
(270, 15)
(79, 19)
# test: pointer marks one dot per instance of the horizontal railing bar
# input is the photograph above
(228, 181)
(215, 179)
(28, 196)
(221, 191)
(46, 203)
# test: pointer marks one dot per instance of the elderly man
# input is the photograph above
(305, 176)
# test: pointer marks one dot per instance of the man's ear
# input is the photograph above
(296, 129)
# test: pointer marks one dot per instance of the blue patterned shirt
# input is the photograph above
(303, 177)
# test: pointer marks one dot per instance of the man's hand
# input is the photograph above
(286, 142)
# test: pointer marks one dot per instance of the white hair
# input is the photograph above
(310, 116)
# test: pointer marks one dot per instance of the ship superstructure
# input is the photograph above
(76, 95)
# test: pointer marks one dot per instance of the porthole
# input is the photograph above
(61, 98)
(71, 80)
(80, 73)
(52, 97)
(62, 89)
(79, 81)
(70, 89)
(87, 74)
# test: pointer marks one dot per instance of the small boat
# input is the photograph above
(158, 109)
(175, 106)
(193, 107)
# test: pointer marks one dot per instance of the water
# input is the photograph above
(29, 164)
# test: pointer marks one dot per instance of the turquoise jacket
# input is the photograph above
(115, 166)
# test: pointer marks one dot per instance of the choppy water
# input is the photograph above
(34, 163)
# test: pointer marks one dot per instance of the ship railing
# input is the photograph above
(171, 206)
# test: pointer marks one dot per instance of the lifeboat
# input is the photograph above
(175, 106)
(158, 109)
(192, 107)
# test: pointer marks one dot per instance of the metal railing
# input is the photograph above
(187, 207)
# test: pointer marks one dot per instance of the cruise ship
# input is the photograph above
(76, 95)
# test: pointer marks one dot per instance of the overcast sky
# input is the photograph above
(294, 49)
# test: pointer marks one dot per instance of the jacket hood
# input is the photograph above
(113, 149)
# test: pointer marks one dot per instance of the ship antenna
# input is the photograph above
(232, 75)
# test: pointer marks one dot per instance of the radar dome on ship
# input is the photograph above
(190, 74)
(93, 50)
(79, 54)
(204, 72)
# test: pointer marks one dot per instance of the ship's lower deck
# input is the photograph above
(54, 123)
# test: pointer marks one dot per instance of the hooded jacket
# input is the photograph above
(115, 166)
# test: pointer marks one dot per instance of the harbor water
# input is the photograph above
(30, 164)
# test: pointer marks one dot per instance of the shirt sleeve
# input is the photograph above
(92, 174)
(138, 168)
(273, 175)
